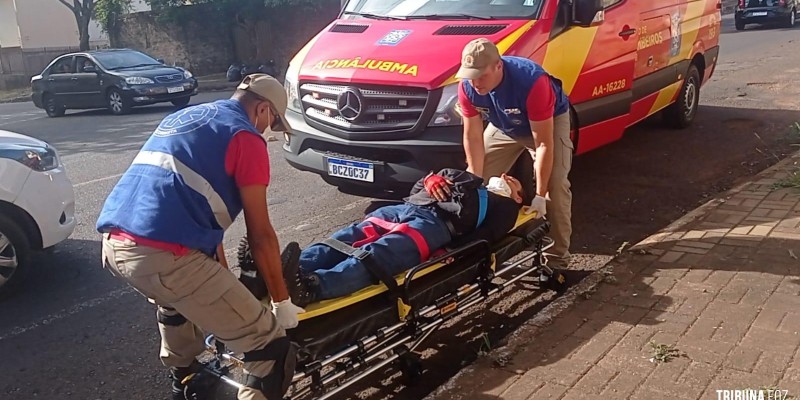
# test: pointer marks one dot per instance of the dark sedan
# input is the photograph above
(117, 79)
(766, 11)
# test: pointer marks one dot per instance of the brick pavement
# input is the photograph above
(721, 285)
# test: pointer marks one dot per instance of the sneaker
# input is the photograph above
(301, 287)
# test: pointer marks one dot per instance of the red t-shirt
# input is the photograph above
(541, 101)
(247, 160)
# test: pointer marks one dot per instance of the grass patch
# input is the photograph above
(14, 94)
(792, 181)
(663, 353)
(486, 345)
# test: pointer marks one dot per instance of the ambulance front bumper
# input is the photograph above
(377, 168)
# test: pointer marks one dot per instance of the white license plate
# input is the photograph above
(175, 89)
(760, 14)
(355, 170)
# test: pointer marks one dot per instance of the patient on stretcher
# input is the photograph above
(395, 238)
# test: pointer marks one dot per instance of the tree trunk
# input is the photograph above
(83, 30)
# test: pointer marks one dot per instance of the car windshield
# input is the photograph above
(442, 9)
(124, 59)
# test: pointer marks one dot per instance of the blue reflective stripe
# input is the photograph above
(483, 200)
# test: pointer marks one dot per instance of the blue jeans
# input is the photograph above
(341, 275)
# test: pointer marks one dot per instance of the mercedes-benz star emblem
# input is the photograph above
(349, 104)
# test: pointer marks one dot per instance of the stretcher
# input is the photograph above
(346, 339)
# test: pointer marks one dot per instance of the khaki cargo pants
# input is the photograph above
(210, 297)
(501, 154)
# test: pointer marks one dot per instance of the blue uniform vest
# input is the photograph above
(177, 190)
(505, 106)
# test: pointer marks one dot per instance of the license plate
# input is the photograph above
(175, 89)
(760, 14)
(355, 170)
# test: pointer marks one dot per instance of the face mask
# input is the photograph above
(267, 131)
(499, 186)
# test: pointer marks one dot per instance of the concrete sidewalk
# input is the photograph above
(710, 303)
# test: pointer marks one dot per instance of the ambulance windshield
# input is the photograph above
(442, 9)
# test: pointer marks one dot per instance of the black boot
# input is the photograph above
(177, 375)
(250, 276)
(302, 288)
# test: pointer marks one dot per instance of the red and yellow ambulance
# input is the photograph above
(373, 95)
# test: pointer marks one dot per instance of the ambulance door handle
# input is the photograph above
(627, 32)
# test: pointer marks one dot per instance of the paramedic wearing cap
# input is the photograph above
(163, 226)
(526, 110)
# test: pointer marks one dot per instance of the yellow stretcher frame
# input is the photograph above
(326, 306)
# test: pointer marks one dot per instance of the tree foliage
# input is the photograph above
(108, 12)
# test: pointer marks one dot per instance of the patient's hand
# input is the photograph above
(438, 187)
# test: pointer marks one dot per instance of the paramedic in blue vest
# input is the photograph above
(163, 226)
(528, 111)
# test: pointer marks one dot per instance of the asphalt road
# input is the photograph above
(75, 332)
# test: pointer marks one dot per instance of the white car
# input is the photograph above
(37, 204)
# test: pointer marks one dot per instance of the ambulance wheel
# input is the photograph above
(680, 114)
(411, 367)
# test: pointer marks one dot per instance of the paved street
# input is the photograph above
(73, 332)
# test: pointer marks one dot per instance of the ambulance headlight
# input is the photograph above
(447, 111)
(290, 84)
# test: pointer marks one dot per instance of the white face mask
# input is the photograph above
(268, 130)
(499, 186)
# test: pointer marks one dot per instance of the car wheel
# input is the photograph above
(680, 114)
(14, 256)
(183, 101)
(117, 103)
(739, 25)
(53, 107)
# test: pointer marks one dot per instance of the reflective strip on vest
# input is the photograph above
(192, 179)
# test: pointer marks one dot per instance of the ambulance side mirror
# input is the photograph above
(588, 12)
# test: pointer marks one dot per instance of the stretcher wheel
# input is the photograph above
(411, 366)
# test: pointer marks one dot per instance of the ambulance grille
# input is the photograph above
(470, 29)
(357, 108)
(349, 28)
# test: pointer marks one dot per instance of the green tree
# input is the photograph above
(83, 11)
(108, 13)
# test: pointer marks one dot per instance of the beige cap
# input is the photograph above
(476, 57)
(270, 89)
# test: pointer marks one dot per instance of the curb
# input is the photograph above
(520, 338)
